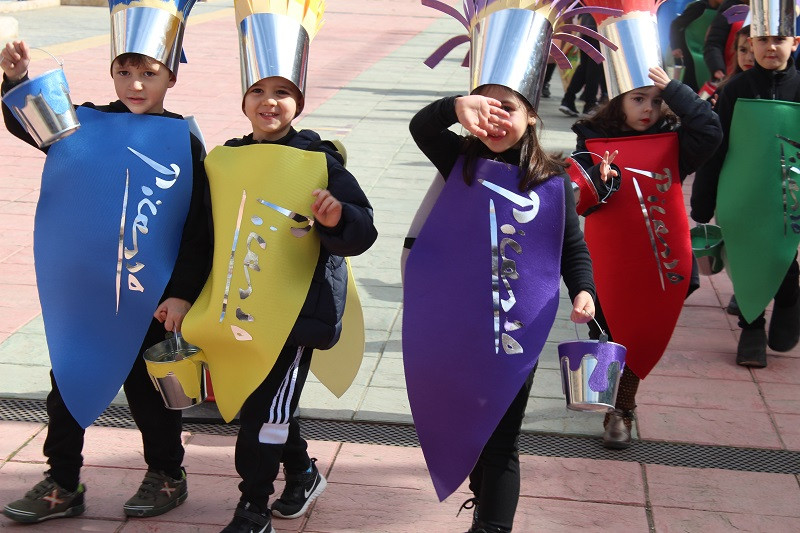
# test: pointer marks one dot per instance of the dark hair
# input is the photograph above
(131, 59)
(609, 120)
(536, 166)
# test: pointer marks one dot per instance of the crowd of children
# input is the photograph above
(625, 176)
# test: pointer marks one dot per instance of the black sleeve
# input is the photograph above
(700, 132)
(704, 189)
(429, 128)
(716, 38)
(195, 253)
(576, 265)
(677, 29)
(12, 124)
(355, 232)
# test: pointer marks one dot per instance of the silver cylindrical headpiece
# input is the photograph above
(636, 35)
(510, 47)
(153, 32)
(273, 45)
(772, 18)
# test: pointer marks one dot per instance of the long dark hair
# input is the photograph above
(536, 166)
(609, 120)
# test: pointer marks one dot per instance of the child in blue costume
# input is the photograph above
(141, 83)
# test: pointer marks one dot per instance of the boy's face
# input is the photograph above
(271, 105)
(773, 52)
(142, 88)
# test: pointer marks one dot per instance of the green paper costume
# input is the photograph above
(758, 202)
(695, 35)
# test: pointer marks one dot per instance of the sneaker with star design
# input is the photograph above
(47, 500)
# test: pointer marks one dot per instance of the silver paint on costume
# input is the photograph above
(122, 237)
(650, 232)
(273, 45)
(495, 275)
(790, 188)
(297, 232)
(251, 263)
(531, 201)
(231, 262)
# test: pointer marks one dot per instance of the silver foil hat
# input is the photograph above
(765, 17)
(635, 33)
(511, 40)
(510, 48)
(273, 45)
(150, 27)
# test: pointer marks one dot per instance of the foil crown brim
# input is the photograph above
(510, 48)
(273, 45)
(148, 31)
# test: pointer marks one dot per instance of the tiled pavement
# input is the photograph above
(366, 81)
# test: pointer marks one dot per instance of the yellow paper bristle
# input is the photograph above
(308, 13)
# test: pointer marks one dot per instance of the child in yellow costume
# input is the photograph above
(295, 213)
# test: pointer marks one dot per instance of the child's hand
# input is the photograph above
(606, 171)
(482, 116)
(582, 308)
(660, 77)
(327, 210)
(14, 60)
(171, 313)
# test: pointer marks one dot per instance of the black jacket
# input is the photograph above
(717, 37)
(699, 133)
(429, 127)
(677, 39)
(320, 321)
(194, 256)
(757, 82)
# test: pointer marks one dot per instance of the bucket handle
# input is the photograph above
(603, 335)
(602, 200)
(57, 60)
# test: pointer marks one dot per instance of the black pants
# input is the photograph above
(787, 295)
(269, 433)
(587, 75)
(495, 478)
(160, 427)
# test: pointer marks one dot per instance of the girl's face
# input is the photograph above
(519, 117)
(744, 53)
(642, 108)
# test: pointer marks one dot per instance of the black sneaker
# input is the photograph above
(546, 90)
(248, 519)
(568, 109)
(299, 492)
(752, 349)
(47, 500)
(157, 494)
(589, 110)
(784, 327)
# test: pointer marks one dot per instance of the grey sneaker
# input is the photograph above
(299, 492)
(157, 494)
(45, 501)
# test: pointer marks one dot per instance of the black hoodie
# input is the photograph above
(320, 321)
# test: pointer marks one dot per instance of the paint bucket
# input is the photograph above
(177, 370)
(590, 372)
(43, 107)
(707, 246)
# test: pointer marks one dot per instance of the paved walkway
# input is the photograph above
(366, 80)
